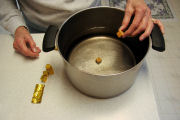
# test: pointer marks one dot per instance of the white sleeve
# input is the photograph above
(10, 16)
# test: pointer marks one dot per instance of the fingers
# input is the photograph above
(32, 44)
(127, 17)
(142, 26)
(147, 31)
(26, 51)
(141, 16)
(159, 23)
(142, 22)
(16, 47)
(38, 49)
(21, 47)
(24, 44)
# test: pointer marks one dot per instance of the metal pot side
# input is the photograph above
(92, 21)
(102, 86)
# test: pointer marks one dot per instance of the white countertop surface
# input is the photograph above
(19, 75)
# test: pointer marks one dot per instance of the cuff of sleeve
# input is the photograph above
(14, 23)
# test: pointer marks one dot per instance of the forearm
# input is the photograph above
(10, 17)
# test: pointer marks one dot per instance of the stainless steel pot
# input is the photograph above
(91, 33)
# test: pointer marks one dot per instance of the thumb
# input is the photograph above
(32, 44)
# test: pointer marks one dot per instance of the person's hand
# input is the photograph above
(24, 44)
(142, 22)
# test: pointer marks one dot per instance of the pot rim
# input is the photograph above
(102, 75)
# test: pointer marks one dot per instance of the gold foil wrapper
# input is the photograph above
(44, 78)
(38, 93)
(45, 73)
(49, 69)
(35, 101)
(39, 88)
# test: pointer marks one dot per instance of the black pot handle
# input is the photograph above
(158, 42)
(49, 38)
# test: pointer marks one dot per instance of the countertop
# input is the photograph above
(19, 75)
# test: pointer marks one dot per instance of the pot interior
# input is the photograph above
(91, 33)
(102, 55)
